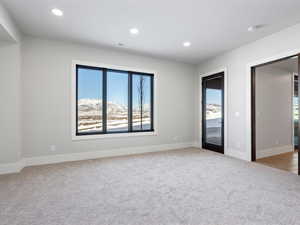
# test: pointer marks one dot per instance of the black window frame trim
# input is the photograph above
(130, 74)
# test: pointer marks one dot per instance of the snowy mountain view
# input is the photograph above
(213, 111)
(213, 123)
(90, 116)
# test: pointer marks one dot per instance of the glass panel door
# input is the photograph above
(212, 112)
(295, 111)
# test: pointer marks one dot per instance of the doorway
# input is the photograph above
(213, 112)
(274, 114)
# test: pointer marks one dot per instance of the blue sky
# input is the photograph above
(90, 86)
(117, 88)
(89, 82)
(213, 96)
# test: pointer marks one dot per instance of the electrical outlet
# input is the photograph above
(52, 148)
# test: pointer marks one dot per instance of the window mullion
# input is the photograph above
(152, 103)
(104, 101)
(77, 100)
(130, 102)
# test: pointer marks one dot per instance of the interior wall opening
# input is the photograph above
(275, 114)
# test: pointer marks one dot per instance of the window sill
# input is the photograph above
(116, 135)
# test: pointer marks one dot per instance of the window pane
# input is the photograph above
(214, 115)
(295, 111)
(117, 101)
(141, 101)
(89, 100)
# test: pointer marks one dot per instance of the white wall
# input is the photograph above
(46, 95)
(237, 64)
(10, 88)
(273, 111)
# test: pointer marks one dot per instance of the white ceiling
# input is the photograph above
(212, 26)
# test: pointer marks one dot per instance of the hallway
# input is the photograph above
(286, 161)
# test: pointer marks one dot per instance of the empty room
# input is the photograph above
(142, 112)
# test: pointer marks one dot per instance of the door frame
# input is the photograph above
(293, 124)
(201, 76)
(253, 101)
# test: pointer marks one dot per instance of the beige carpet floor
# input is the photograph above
(187, 187)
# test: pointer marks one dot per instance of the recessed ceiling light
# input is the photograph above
(134, 31)
(254, 28)
(186, 44)
(57, 12)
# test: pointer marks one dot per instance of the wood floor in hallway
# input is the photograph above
(286, 161)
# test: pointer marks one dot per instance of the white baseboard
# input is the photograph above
(262, 153)
(51, 159)
(15, 167)
(196, 145)
(237, 153)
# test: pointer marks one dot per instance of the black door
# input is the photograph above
(213, 112)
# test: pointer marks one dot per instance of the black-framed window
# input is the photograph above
(113, 101)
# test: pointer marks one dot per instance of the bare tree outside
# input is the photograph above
(141, 98)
